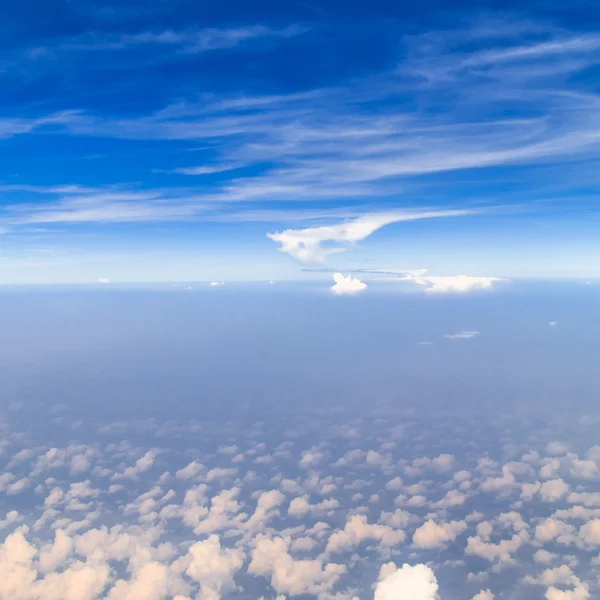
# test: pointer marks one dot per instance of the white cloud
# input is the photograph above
(305, 245)
(347, 285)
(500, 553)
(289, 576)
(553, 490)
(213, 567)
(206, 169)
(435, 535)
(553, 323)
(590, 533)
(189, 41)
(141, 466)
(484, 595)
(458, 283)
(300, 507)
(358, 530)
(266, 506)
(462, 335)
(103, 280)
(216, 283)
(439, 283)
(411, 582)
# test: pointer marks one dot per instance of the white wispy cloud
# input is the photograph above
(462, 335)
(439, 283)
(329, 137)
(206, 169)
(190, 41)
(306, 245)
(329, 144)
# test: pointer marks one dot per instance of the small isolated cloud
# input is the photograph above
(412, 582)
(216, 283)
(305, 244)
(553, 323)
(462, 335)
(347, 285)
(103, 280)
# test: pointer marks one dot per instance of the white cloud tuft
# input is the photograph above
(346, 285)
(216, 283)
(411, 582)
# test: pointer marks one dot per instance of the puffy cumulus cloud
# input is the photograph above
(347, 285)
(150, 581)
(589, 533)
(191, 471)
(435, 535)
(19, 577)
(484, 595)
(271, 557)
(57, 553)
(564, 577)
(82, 567)
(411, 582)
(266, 508)
(553, 529)
(358, 530)
(579, 592)
(584, 498)
(553, 490)
(220, 514)
(310, 458)
(213, 567)
(442, 463)
(502, 485)
(300, 507)
(305, 245)
(500, 553)
(142, 465)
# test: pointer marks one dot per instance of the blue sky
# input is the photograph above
(185, 141)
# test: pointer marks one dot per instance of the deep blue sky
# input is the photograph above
(163, 141)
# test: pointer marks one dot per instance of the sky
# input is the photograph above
(185, 141)
(299, 301)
